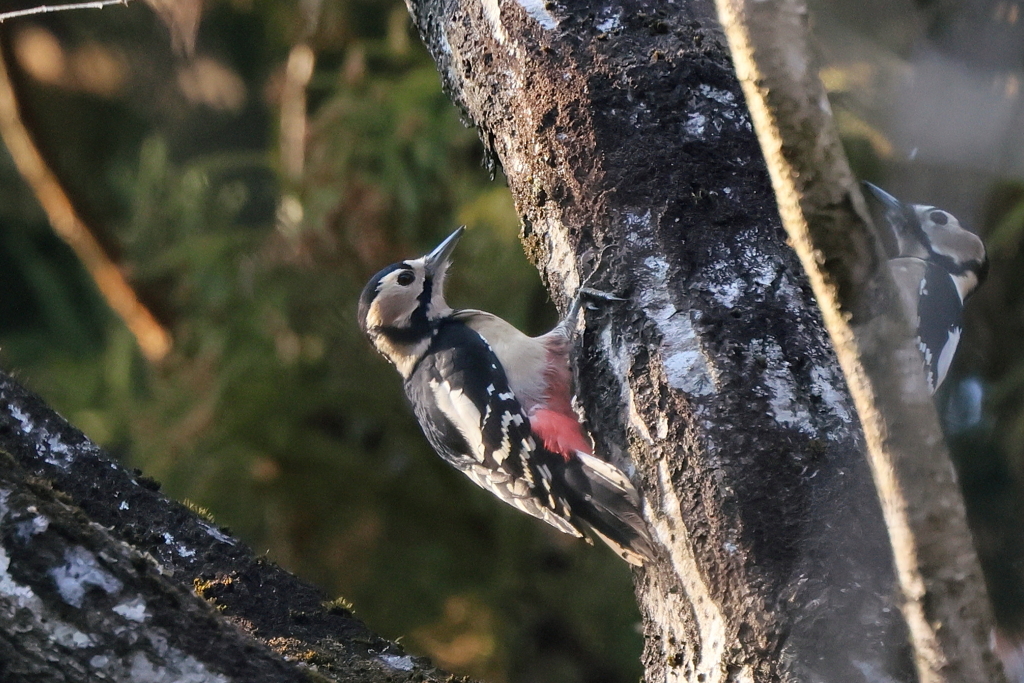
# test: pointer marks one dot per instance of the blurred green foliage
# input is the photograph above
(272, 411)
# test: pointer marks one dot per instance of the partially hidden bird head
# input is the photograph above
(400, 305)
(934, 235)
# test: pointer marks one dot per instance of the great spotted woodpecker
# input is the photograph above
(939, 265)
(496, 404)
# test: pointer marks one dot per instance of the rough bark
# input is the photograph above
(101, 575)
(622, 131)
(944, 598)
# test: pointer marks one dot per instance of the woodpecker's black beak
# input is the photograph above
(901, 216)
(902, 219)
(437, 260)
(886, 199)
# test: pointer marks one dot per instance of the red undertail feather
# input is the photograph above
(556, 424)
(560, 433)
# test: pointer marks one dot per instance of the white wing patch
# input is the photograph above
(462, 413)
(926, 355)
(946, 356)
(505, 449)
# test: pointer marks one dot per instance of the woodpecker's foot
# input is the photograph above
(596, 294)
(591, 296)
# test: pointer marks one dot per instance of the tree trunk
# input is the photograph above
(99, 576)
(944, 600)
(630, 155)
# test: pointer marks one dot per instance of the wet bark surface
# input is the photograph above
(101, 575)
(629, 152)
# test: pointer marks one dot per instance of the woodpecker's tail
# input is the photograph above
(611, 509)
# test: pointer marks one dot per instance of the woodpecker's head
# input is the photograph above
(400, 305)
(935, 235)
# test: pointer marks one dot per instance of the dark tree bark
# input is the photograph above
(622, 131)
(102, 575)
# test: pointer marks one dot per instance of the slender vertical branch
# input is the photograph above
(154, 341)
(944, 603)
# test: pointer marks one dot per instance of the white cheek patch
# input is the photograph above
(953, 241)
(392, 307)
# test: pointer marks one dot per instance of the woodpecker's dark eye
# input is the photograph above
(406, 278)
(938, 217)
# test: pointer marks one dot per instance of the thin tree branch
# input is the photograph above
(945, 603)
(47, 9)
(154, 341)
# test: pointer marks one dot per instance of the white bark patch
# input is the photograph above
(13, 592)
(727, 292)
(610, 19)
(763, 269)
(400, 662)
(711, 622)
(721, 96)
(786, 408)
(620, 361)
(133, 610)
(69, 636)
(33, 527)
(55, 451)
(728, 279)
(80, 572)
(493, 14)
(26, 423)
(538, 11)
(183, 669)
(726, 104)
(562, 259)
(694, 125)
(824, 383)
(686, 367)
(217, 534)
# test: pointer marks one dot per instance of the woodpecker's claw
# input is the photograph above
(577, 303)
(596, 294)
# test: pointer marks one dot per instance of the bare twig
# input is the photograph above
(47, 9)
(944, 599)
(153, 339)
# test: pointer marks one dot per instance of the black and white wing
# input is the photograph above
(462, 400)
(933, 304)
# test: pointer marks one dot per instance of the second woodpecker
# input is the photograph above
(938, 266)
(497, 404)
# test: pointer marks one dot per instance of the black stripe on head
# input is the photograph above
(371, 290)
(419, 316)
(909, 222)
(953, 267)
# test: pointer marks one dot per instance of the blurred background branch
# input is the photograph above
(47, 9)
(153, 339)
